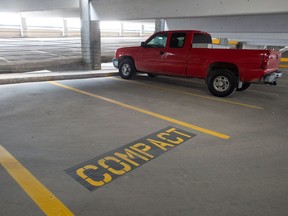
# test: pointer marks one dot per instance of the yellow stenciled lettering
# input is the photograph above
(106, 177)
(126, 167)
(142, 148)
(180, 133)
(162, 136)
(160, 144)
(126, 158)
(128, 155)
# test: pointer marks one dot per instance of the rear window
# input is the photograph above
(201, 40)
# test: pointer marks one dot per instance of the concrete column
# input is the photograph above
(90, 37)
(121, 31)
(142, 30)
(96, 44)
(24, 29)
(159, 25)
(65, 28)
(85, 32)
(224, 41)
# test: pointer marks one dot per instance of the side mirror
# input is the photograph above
(143, 44)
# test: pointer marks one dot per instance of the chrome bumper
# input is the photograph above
(115, 62)
(272, 78)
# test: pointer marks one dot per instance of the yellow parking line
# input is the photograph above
(156, 115)
(196, 95)
(45, 200)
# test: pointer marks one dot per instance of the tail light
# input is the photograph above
(265, 60)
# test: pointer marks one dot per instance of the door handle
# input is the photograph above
(162, 52)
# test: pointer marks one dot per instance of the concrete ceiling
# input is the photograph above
(147, 9)
(37, 5)
(143, 9)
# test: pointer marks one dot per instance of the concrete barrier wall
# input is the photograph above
(109, 34)
(125, 34)
(73, 33)
(9, 33)
(43, 33)
(53, 33)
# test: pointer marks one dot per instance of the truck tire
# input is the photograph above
(221, 82)
(245, 85)
(127, 68)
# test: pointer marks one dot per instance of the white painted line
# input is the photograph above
(38, 72)
(3, 59)
(43, 52)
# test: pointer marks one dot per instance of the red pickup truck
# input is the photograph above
(186, 53)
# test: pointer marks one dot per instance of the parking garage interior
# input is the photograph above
(76, 139)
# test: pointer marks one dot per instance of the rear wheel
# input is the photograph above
(127, 69)
(245, 85)
(222, 82)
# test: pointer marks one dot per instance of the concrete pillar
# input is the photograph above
(90, 37)
(65, 28)
(159, 25)
(96, 44)
(142, 30)
(121, 31)
(24, 29)
(224, 41)
(85, 32)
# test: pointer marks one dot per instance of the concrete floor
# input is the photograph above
(49, 128)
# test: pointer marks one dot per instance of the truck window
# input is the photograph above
(201, 40)
(177, 40)
(159, 41)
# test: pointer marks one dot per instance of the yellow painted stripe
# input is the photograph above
(46, 201)
(284, 60)
(195, 95)
(283, 66)
(156, 115)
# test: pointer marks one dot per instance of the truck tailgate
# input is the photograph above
(271, 60)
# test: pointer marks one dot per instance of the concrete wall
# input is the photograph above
(43, 33)
(38, 32)
(9, 33)
(53, 33)
(270, 23)
(269, 29)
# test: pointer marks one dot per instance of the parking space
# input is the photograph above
(227, 156)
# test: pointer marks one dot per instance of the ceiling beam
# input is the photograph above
(36, 5)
